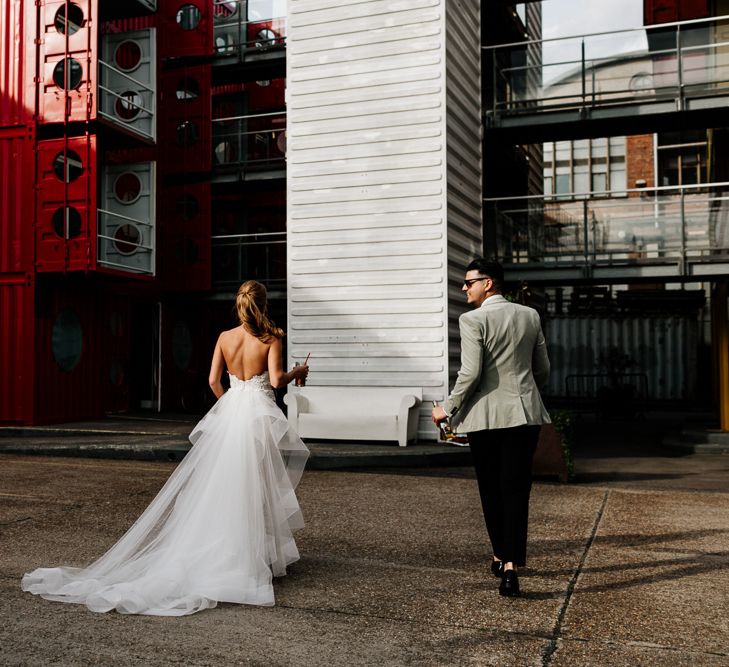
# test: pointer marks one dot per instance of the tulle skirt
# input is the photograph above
(218, 530)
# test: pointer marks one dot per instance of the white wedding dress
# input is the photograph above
(217, 531)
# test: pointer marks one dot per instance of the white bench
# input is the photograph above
(355, 413)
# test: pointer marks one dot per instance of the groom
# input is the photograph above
(496, 401)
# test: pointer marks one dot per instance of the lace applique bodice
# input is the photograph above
(256, 383)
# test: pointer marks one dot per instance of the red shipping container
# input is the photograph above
(17, 62)
(67, 201)
(17, 359)
(187, 28)
(82, 349)
(184, 237)
(16, 200)
(187, 131)
(68, 61)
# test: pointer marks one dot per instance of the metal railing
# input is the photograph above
(130, 107)
(682, 60)
(667, 224)
(256, 141)
(129, 241)
(259, 256)
(236, 34)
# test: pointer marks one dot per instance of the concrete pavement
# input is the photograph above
(628, 566)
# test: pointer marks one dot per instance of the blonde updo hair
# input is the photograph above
(252, 309)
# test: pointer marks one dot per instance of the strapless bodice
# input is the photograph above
(255, 383)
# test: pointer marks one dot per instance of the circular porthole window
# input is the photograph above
(67, 340)
(188, 17)
(127, 239)
(265, 38)
(128, 55)
(127, 188)
(187, 207)
(281, 141)
(224, 152)
(181, 345)
(70, 24)
(67, 166)
(66, 222)
(187, 89)
(187, 133)
(67, 74)
(128, 105)
(225, 43)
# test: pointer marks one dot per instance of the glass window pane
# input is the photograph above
(617, 179)
(599, 182)
(563, 183)
(582, 182)
(617, 146)
(581, 149)
(599, 147)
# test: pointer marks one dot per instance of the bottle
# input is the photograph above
(299, 382)
(446, 433)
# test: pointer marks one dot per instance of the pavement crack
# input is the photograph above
(14, 521)
(557, 631)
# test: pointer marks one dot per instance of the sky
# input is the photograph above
(562, 18)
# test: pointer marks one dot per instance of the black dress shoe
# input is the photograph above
(497, 567)
(509, 586)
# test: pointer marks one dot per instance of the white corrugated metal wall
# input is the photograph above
(369, 164)
(664, 348)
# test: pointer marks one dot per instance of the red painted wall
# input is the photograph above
(667, 11)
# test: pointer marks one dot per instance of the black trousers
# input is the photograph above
(503, 461)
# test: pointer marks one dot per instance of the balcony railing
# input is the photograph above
(239, 257)
(234, 34)
(132, 109)
(684, 61)
(664, 225)
(254, 142)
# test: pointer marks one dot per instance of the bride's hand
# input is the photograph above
(300, 372)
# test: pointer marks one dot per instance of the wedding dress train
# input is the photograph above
(218, 529)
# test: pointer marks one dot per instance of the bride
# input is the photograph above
(222, 524)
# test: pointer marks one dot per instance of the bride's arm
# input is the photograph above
(216, 370)
(276, 374)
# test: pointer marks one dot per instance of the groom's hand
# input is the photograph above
(438, 414)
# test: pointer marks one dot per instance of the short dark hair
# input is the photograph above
(492, 269)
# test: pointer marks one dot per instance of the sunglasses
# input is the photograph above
(468, 283)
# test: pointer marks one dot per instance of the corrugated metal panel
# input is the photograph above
(463, 119)
(75, 98)
(17, 62)
(17, 361)
(82, 348)
(663, 348)
(16, 201)
(186, 132)
(66, 244)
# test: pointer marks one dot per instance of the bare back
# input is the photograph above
(245, 355)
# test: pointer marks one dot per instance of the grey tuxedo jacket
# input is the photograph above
(504, 363)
